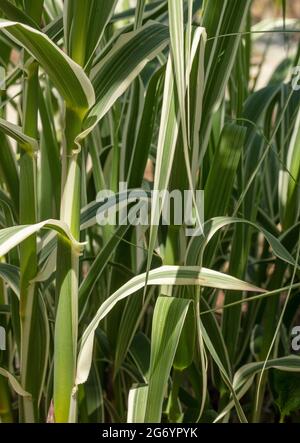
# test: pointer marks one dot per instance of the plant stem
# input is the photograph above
(28, 251)
(65, 341)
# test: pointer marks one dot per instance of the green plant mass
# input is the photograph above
(149, 211)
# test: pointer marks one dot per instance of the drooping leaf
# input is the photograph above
(66, 75)
(29, 144)
(14, 383)
(166, 275)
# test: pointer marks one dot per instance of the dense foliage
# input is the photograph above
(110, 323)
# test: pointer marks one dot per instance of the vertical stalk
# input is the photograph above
(67, 274)
(28, 251)
(5, 400)
(65, 339)
(30, 355)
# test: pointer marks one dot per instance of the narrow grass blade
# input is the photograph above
(111, 78)
(14, 383)
(168, 320)
(29, 144)
(211, 227)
